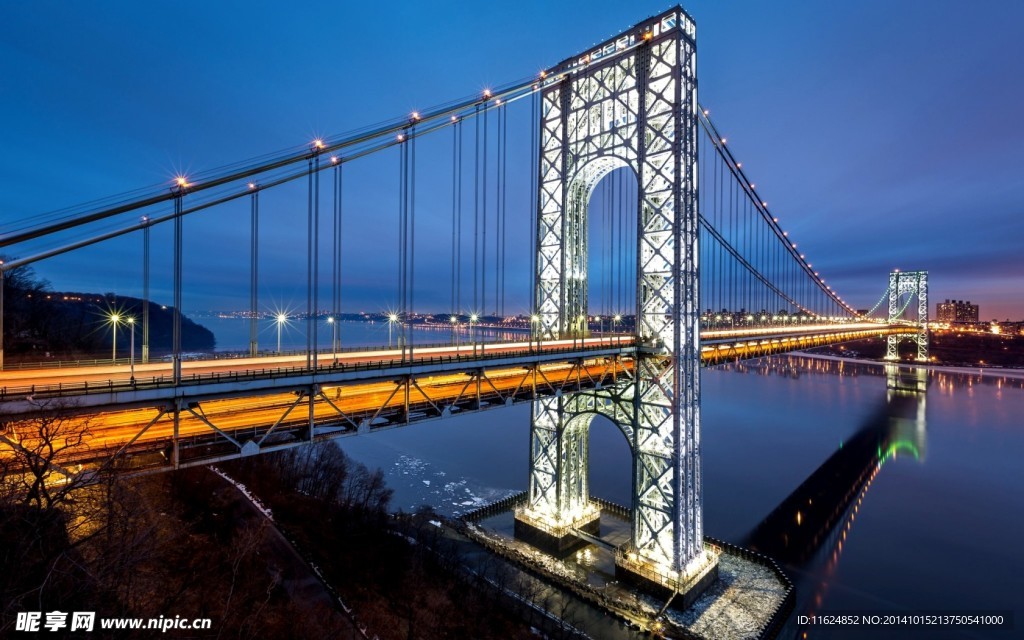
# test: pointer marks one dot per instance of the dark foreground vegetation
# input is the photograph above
(192, 544)
(41, 324)
(399, 575)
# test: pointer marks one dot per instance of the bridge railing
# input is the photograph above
(59, 390)
(236, 354)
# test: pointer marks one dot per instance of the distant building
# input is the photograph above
(957, 311)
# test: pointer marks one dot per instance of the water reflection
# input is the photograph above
(811, 525)
(812, 517)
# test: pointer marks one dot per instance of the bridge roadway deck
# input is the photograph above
(229, 408)
(270, 373)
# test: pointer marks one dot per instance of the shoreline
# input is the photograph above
(994, 372)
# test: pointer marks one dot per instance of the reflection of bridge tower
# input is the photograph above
(913, 283)
(908, 384)
(815, 519)
(633, 105)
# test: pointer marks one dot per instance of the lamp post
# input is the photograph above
(281, 319)
(472, 331)
(534, 333)
(392, 319)
(615, 321)
(455, 324)
(334, 338)
(114, 320)
(131, 347)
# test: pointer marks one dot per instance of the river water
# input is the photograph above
(920, 494)
(233, 334)
(939, 518)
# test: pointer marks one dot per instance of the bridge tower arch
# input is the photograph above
(915, 285)
(632, 102)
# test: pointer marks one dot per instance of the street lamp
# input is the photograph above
(392, 319)
(114, 320)
(534, 329)
(472, 331)
(334, 338)
(281, 319)
(131, 347)
(615, 321)
(455, 323)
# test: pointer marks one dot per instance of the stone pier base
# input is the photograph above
(556, 538)
(688, 586)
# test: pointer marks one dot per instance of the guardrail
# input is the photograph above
(233, 354)
(165, 381)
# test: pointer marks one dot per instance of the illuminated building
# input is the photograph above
(957, 311)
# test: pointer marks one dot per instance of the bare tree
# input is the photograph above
(40, 456)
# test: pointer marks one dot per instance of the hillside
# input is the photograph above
(40, 324)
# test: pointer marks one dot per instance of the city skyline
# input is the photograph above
(845, 116)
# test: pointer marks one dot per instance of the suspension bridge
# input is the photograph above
(652, 253)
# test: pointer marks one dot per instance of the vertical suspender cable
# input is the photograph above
(335, 247)
(309, 265)
(476, 216)
(316, 257)
(534, 202)
(498, 211)
(458, 223)
(720, 277)
(339, 250)
(613, 249)
(504, 205)
(455, 228)
(176, 318)
(412, 236)
(483, 216)
(626, 191)
(145, 293)
(254, 266)
(402, 151)
(605, 246)
(734, 237)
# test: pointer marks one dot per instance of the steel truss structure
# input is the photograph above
(632, 102)
(202, 425)
(913, 284)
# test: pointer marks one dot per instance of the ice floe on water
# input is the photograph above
(417, 482)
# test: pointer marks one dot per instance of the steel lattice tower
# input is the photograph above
(632, 102)
(912, 283)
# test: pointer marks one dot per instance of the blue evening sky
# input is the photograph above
(882, 133)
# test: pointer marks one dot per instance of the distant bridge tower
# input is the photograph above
(915, 284)
(630, 102)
